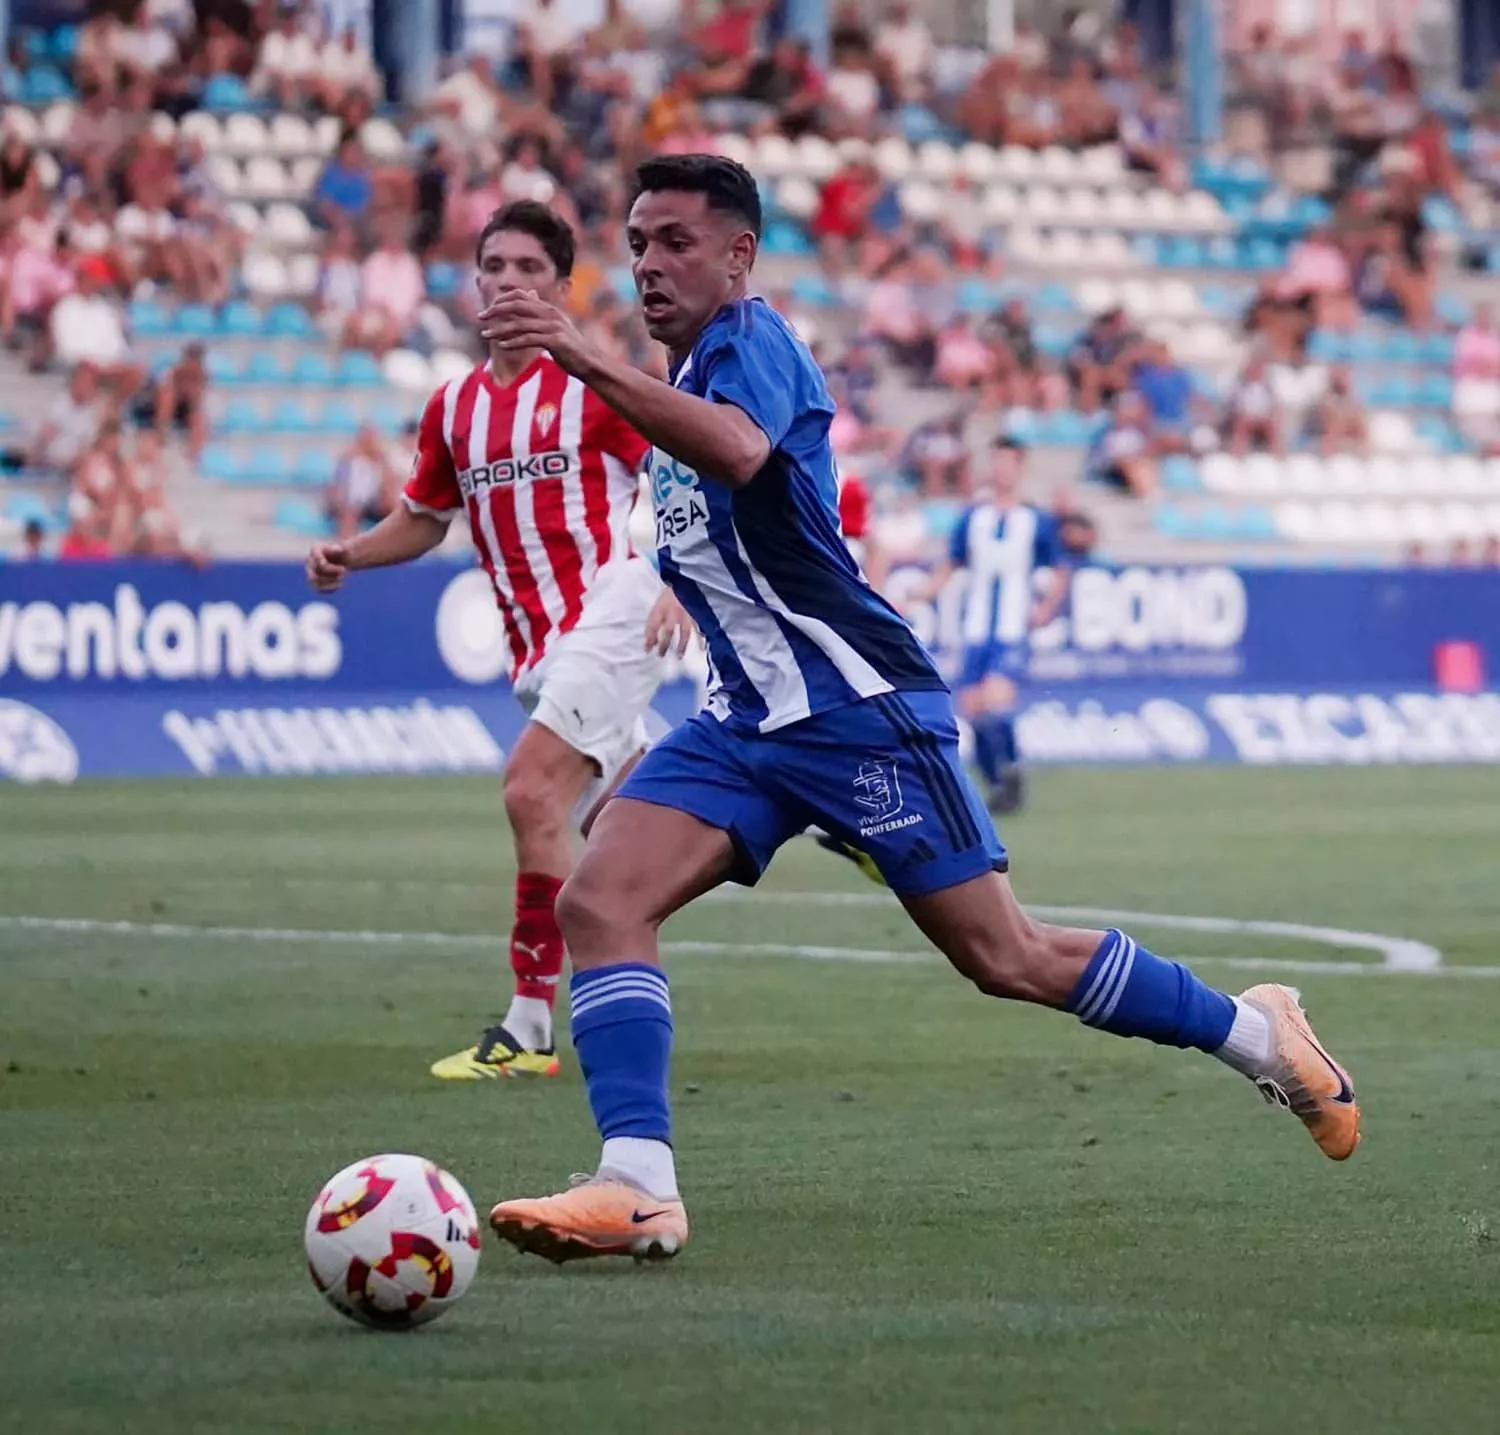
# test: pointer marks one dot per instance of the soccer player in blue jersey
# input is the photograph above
(825, 711)
(1001, 543)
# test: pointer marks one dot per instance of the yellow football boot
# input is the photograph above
(1302, 1077)
(497, 1053)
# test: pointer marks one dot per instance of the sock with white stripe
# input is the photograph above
(622, 1031)
(1129, 991)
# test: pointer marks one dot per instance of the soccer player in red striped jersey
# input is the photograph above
(546, 474)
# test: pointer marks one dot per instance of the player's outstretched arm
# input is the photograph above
(718, 441)
(399, 537)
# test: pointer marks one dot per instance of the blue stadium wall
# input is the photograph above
(148, 670)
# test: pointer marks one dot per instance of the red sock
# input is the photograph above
(536, 944)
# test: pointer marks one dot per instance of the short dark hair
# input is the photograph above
(1011, 441)
(727, 186)
(528, 216)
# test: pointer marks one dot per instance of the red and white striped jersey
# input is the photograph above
(547, 472)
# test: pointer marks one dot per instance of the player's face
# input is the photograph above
(511, 260)
(688, 261)
(1005, 474)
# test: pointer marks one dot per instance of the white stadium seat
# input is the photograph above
(1015, 164)
(291, 135)
(893, 158)
(244, 217)
(203, 127)
(1094, 296)
(1386, 474)
(1424, 474)
(381, 139)
(798, 196)
(1463, 473)
(1108, 250)
(326, 133)
(1042, 206)
(737, 148)
(48, 171)
(1304, 473)
(163, 126)
(1103, 164)
(1001, 204)
(1262, 474)
(853, 148)
(1066, 249)
(245, 135)
(1345, 474)
(57, 121)
(1297, 522)
(1489, 518)
(1420, 523)
(1492, 475)
(302, 275)
(920, 201)
(1027, 246)
(976, 162)
(406, 369)
(1221, 473)
(1341, 522)
(1476, 398)
(449, 364)
(1124, 209)
(818, 159)
(265, 276)
(1058, 165)
(1178, 298)
(1202, 213)
(1392, 433)
(1460, 520)
(264, 177)
(226, 175)
(774, 157)
(1082, 208)
(1382, 523)
(288, 227)
(1163, 209)
(19, 121)
(937, 161)
(302, 176)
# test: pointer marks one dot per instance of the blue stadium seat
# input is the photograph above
(1221, 252)
(266, 465)
(1147, 248)
(220, 463)
(1255, 524)
(622, 281)
(312, 367)
(1453, 309)
(264, 367)
(1435, 349)
(44, 85)
(289, 321)
(784, 237)
(1052, 341)
(1182, 251)
(314, 469)
(227, 92)
(1169, 520)
(239, 320)
(62, 44)
(339, 416)
(1263, 254)
(1069, 429)
(295, 416)
(443, 280)
(816, 292)
(194, 321)
(1053, 297)
(1326, 346)
(359, 370)
(222, 368)
(147, 319)
(1179, 474)
(242, 415)
(1434, 391)
(23, 508)
(301, 515)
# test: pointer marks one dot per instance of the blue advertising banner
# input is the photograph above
(141, 669)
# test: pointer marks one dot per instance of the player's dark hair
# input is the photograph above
(728, 187)
(1010, 441)
(527, 216)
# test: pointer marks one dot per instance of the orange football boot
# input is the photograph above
(600, 1215)
(1302, 1077)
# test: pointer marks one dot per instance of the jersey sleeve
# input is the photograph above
(433, 486)
(759, 371)
(958, 540)
(611, 434)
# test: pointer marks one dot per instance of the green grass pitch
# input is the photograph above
(915, 1210)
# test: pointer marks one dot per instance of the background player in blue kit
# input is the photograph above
(1001, 543)
(825, 711)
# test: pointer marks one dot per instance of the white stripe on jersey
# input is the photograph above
(851, 667)
(524, 494)
(622, 485)
(479, 438)
(570, 440)
(998, 602)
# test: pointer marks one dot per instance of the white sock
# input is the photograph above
(648, 1164)
(1247, 1048)
(529, 1020)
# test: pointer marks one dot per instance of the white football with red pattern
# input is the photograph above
(392, 1241)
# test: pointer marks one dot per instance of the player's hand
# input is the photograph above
(668, 627)
(519, 320)
(327, 564)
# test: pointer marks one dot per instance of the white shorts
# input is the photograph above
(595, 683)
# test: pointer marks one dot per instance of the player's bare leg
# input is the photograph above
(642, 863)
(545, 778)
(1109, 982)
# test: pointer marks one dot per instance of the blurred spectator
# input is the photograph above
(70, 424)
(785, 89)
(153, 529)
(345, 72)
(86, 539)
(1019, 379)
(287, 65)
(1484, 151)
(100, 478)
(904, 48)
(1338, 423)
(20, 179)
(33, 542)
(392, 289)
(845, 207)
(345, 186)
(962, 359)
(468, 96)
(88, 326)
(935, 458)
(617, 33)
(547, 32)
(1166, 388)
(1253, 419)
(87, 226)
(33, 281)
(1125, 450)
(1393, 278)
(364, 488)
(895, 316)
(851, 88)
(179, 401)
(1476, 350)
(1152, 139)
(337, 297)
(1318, 274)
(526, 176)
(1099, 364)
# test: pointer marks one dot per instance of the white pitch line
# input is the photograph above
(806, 952)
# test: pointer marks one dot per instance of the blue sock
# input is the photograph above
(1005, 739)
(622, 1031)
(1132, 992)
(989, 746)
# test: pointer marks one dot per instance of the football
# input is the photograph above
(392, 1241)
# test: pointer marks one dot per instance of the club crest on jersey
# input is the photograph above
(877, 795)
(546, 416)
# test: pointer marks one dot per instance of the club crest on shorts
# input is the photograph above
(546, 416)
(877, 795)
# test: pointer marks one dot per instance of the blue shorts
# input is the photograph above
(1006, 660)
(882, 774)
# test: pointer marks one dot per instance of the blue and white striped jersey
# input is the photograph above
(1001, 548)
(793, 629)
